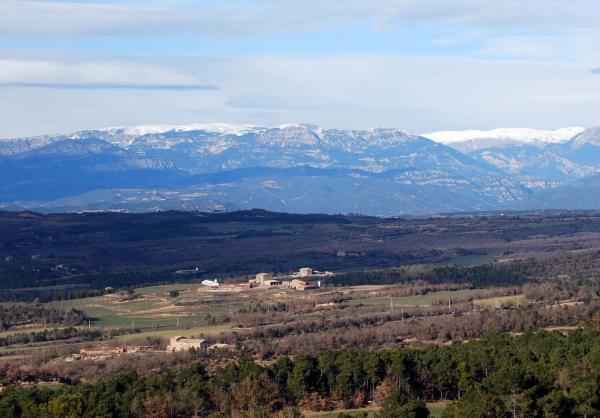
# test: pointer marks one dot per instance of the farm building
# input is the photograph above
(302, 285)
(261, 278)
(226, 289)
(179, 343)
(210, 283)
(305, 272)
(142, 349)
(310, 272)
(102, 351)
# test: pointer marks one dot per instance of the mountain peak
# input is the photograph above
(590, 136)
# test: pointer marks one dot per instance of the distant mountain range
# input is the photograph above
(300, 168)
(539, 159)
(472, 140)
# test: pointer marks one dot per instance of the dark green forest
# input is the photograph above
(485, 275)
(57, 256)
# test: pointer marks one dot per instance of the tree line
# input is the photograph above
(541, 374)
(27, 315)
(485, 275)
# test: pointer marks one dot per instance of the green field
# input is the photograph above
(155, 312)
(420, 300)
(502, 300)
(437, 409)
(191, 332)
(166, 288)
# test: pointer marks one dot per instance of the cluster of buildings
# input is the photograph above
(304, 279)
(176, 344)
(103, 351)
(179, 343)
(299, 284)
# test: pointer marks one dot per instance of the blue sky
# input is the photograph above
(418, 65)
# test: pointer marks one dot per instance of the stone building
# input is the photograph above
(179, 343)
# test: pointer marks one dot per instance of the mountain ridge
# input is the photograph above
(290, 167)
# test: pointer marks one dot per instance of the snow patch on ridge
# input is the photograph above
(523, 135)
(220, 128)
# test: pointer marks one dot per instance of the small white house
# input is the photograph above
(210, 283)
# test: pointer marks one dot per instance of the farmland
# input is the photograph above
(155, 313)
(189, 309)
(391, 295)
(420, 300)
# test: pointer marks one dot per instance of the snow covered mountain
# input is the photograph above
(472, 140)
(298, 168)
(292, 167)
(539, 159)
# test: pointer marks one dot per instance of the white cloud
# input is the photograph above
(63, 19)
(415, 92)
(578, 45)
(355, 91)
(237, 18)
(97, 73)
(534, 69)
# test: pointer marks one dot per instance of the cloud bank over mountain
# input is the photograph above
(425, 66)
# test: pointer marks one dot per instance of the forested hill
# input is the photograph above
(535, 375)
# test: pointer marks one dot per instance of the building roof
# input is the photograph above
(179, 338)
